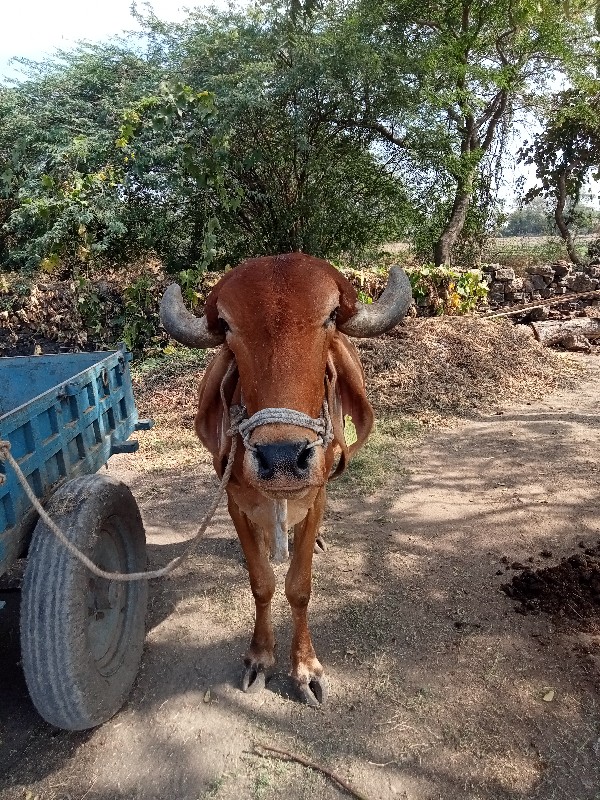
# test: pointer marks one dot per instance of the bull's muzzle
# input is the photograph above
(286, 460)
(285, 449)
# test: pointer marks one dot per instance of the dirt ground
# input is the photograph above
(439, 690)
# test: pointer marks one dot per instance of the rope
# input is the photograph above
(323, 426)
(5, 455)
(287, 416)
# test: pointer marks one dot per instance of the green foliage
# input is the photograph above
(565, 154)
(219, 142)
(60, 177)
(569, 146)
(446, 290)
(282, 175)
(140, 316)
(306, 126)
(131, 317)
(456, 70)
(532, 220)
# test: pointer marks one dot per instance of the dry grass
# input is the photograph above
(165, 390)
(425, 372)
(452, 366)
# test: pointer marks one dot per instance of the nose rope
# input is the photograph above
(283, 416)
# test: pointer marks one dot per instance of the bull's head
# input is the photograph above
(281, 319)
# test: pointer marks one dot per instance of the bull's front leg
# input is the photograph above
(261, 653)
(306, 668)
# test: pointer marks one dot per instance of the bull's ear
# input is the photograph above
(216, 394)
(348, 297)
(347, 399)
(211, 311)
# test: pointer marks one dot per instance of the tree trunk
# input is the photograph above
(554, 331)
(561, 223)
(453, 228)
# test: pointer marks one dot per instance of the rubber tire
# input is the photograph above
(68, 684)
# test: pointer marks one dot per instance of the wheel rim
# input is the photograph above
(107, 601)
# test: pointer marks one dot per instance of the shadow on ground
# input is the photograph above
(437, 685)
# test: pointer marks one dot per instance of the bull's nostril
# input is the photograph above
(304, 457)
(265, 465)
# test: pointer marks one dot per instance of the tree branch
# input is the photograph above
(312, 765)
(495, 119)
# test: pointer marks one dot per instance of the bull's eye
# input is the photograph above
(332, 317)
(223, 326)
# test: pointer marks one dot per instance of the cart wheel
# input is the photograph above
(81, 636)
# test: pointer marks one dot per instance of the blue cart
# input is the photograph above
(81, 636)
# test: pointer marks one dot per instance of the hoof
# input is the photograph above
(320, 545)
(315, 692)
(253, 679)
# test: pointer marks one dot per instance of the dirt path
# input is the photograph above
(437, 685)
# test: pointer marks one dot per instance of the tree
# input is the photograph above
(458, 67)
(212, 141)
(565, 154)
(534, 219)
(60, 177)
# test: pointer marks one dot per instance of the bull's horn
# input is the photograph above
(183, 326)
(379, 317)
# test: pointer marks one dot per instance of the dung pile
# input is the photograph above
(570, 589)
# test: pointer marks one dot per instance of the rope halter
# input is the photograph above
(245, 426)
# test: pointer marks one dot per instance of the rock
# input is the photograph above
(593, 271)
(525, 330)
(538, 314)
(518, 297)
(543, 270)
(504, 274)
(537, 282)
(575, 332)
(579, 282)
(562, 268)
(577, 344)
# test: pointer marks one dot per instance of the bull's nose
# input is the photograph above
(283, 458)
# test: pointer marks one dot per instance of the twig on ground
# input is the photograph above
(312, 765)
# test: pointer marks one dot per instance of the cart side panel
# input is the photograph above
(69, 430)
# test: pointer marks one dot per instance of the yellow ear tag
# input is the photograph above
(350, 435)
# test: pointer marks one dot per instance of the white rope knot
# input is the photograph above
(4, 450)
(281, 416)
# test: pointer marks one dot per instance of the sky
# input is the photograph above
(34, 28)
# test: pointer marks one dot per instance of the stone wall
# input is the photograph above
(540, 282)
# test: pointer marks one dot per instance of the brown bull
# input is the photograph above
(290, 373)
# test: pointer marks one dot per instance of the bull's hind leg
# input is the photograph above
(306, 668)
(260, 655)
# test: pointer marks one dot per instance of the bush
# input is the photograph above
(445, 290)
